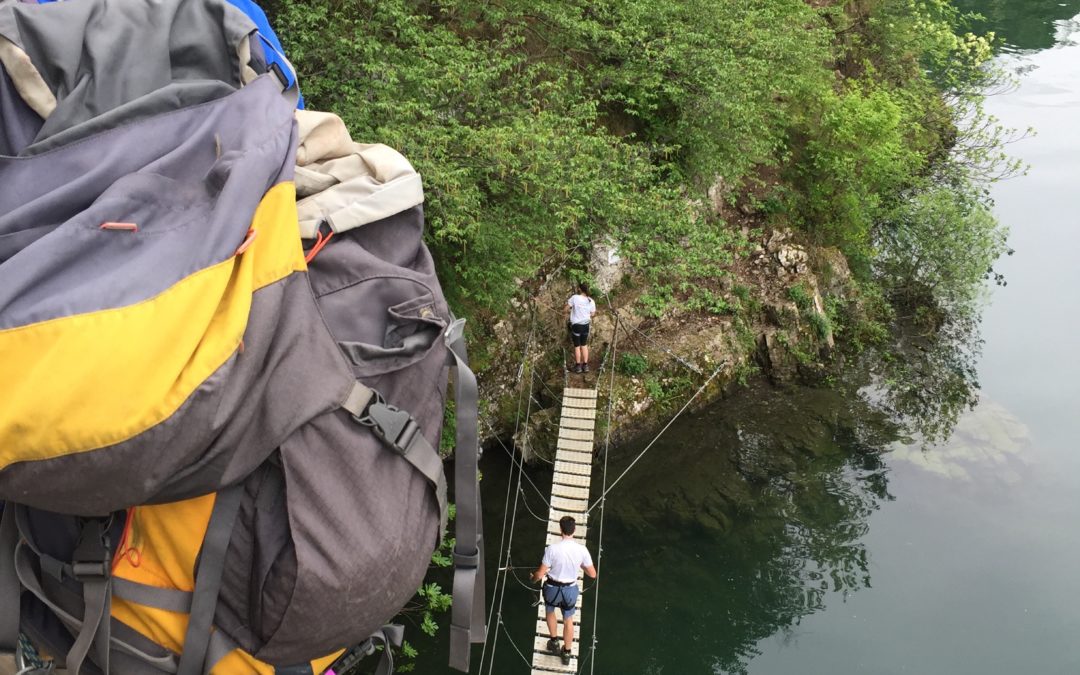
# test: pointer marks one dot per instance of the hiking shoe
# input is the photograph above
(584, 367)
(577, 368)
(553, 645)
(566, 657)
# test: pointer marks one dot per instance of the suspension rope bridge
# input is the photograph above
(569, 496)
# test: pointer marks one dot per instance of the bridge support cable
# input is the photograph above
(686, 405)
(607, 450)
(504, 558)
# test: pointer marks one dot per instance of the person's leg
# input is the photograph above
(579, 341)
(553, 624)
(550, 596)
(585, 347)
(570, 601)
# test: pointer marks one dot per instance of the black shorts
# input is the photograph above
(579, 334)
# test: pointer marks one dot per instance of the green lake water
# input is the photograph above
(857, 553)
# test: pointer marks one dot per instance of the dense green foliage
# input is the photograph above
(545, 126)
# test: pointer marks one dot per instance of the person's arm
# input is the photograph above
(540, 572)
(569, 306)
(590, 571)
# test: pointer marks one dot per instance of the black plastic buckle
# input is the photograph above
(353, 656)
(393, 426)
(279, 72)
(92, 556)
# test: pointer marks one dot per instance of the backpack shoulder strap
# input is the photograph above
(10, 589)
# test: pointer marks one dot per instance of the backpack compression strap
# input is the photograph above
(398, 430)
(467, 613)
(29, 561)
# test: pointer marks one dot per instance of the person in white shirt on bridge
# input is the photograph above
(580, 310)
(561, 563)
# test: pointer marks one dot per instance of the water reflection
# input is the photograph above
(1025, 25)
(990, 441)
(760, 505)
(927, 380)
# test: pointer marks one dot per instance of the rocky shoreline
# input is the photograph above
(782, 331)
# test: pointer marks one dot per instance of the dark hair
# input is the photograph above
(567, 525)
(583, 288)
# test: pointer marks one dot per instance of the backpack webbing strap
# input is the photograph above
(400, 431)
(24, 568)
(389, 636)
(91, 568)
(298, 669)
(169, 599)
(10, 589)
(219, 647)
(208, 580)
(28, 578)
(467, 613)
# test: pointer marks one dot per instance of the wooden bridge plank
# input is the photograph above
(578, 413)
(569, 467)
(569, 505)
(576, 434)
(572, 479)
(578, 404)
(569, 444)
(569, 491)
(574, 423)
(579, 393)
(576, 456)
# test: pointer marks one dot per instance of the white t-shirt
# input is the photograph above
(581, 308)
(565, 558)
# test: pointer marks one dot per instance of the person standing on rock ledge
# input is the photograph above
(561, 563)
(580, 309)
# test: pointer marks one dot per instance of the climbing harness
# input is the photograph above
(559, 600)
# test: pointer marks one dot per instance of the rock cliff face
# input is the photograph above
(785, 295)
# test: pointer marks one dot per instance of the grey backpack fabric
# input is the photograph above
(337, 480)
(319, 436)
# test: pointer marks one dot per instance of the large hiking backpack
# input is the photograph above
(217, 448)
